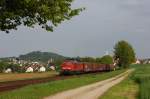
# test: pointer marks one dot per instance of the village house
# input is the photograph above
(42, 69)
(8, 70)
(35, 67)
(137, 61)
(29, 70)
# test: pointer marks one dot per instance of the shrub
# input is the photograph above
(3, 65)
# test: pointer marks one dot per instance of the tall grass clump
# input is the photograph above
(142, 77)
(145, 90)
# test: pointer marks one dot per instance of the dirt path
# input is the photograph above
(92, 91)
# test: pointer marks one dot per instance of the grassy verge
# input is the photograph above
(127, 89)
(142, 77)
(23, 76)
(41, 90)
(136, 86)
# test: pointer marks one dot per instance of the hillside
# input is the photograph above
(41, 56)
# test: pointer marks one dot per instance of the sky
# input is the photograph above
(93, 33)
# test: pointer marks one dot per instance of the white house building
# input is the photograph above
(8, 70)
(137, 62)
(29, 70)
(42, 69)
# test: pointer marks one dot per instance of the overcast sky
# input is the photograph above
(92, 33)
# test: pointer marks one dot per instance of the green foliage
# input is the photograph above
(107, 59)
(87, 59)
(98, 60)
(124, 54)
(14, 67)
(46, 13)
(3, 65)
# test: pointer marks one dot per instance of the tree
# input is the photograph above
(14, 67)
(98, 60)
(3, 66)
(124, 54)
(107, 59)
(46, 13)
(87, 59)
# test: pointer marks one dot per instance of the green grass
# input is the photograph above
(41, 90)
(142, 77)
(136, 86)
(127, 89)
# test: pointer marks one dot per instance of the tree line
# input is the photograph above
(124, 55)
(14, 67)
(107, 59)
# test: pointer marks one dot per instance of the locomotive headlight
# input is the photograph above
(66, 68)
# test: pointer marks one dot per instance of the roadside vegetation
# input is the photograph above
(127, 89)
(42, 90)
(136, 86)
(142, 77)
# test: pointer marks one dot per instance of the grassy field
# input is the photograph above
(142, 77)
(136, 86)
(41, 90)
(127, 89)
(22, 76)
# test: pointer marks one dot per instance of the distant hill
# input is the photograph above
(41, 56)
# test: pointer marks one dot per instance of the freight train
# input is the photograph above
(74, 67)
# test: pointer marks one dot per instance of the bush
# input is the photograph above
(14, 67)
(3, 65)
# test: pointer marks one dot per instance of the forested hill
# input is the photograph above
(41, 56)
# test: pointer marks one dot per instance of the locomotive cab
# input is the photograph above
(67, 66)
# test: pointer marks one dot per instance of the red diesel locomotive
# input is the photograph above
(73, 66)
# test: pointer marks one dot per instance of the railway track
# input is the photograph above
(11, 85)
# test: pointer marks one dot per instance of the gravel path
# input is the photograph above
(92, 91)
